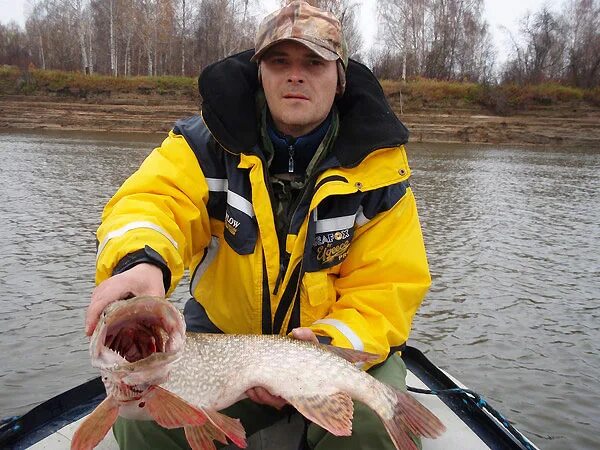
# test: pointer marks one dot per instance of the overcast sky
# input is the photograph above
(497, 12)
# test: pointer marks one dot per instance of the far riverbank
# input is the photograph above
(434, 111)
(576, 125)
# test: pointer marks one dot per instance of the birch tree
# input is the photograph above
(78, 10)
(582, 30)
(404, 29)
(36, 32)
(538, 50)
(437, 38)
(13, 45)
(184, 17)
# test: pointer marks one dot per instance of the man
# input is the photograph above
(288, 201)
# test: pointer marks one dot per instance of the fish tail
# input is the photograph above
(410, 417)
(93, 429)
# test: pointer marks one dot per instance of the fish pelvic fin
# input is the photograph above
(220, 425)
(353, 356)
(411, 417)
(202, 437)
(333, 412)
(170, 410)
(93, 429)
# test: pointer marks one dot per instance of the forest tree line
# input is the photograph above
(438, 39)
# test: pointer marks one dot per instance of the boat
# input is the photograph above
(471, 422)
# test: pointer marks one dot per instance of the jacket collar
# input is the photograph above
(367, 122)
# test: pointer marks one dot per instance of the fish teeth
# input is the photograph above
(114, 352)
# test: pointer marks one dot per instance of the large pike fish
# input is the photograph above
(153, 370)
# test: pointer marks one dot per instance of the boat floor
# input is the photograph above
(277, 437)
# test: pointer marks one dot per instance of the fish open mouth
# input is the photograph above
(137, 340)
(140, 329)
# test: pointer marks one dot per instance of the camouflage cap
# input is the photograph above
(298, 21)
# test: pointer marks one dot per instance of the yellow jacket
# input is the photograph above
(354, 268)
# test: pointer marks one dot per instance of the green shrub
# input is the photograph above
(9, 76)
(593, 96)
(415, 93)
(57, 82)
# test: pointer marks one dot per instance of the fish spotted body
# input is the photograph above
(182, 380)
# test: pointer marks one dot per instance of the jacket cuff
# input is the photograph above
(145, 255)
(324, 339)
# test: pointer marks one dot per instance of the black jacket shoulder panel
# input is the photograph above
(207, 151)
(383, 199)
(193, 130)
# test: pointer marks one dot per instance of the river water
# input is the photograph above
(513, 239)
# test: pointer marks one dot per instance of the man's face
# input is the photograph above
(299, 85)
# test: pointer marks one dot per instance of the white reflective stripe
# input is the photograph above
(361, 219)
(217, 184)
(356, 342)
(211, 252)
(335, 224)
(239, 202)
(134, 226)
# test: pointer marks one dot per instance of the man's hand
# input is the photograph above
(143, 279)
(261, 395)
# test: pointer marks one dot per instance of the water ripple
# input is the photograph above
(512, 240)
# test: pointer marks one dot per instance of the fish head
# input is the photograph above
(135, 344)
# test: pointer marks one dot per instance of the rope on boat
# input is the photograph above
(481, 404)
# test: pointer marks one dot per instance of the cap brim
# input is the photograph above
(327, 55)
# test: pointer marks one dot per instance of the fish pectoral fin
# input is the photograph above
(202, 437)
(353, 356)
(227, 426)
(93, 429)
(170, 410)
(332, 412)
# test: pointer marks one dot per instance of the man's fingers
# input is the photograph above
(262, 396)
(143, 279)
(304, 334)
(93, 313)
(252, 395)
(107, 292)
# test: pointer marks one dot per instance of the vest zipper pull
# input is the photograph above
(291, 160)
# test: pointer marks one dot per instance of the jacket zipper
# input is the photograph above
(291, 160)
(284, 262)
(286, 259)
(310, 183)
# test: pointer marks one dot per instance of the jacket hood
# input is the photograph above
(367, 122)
